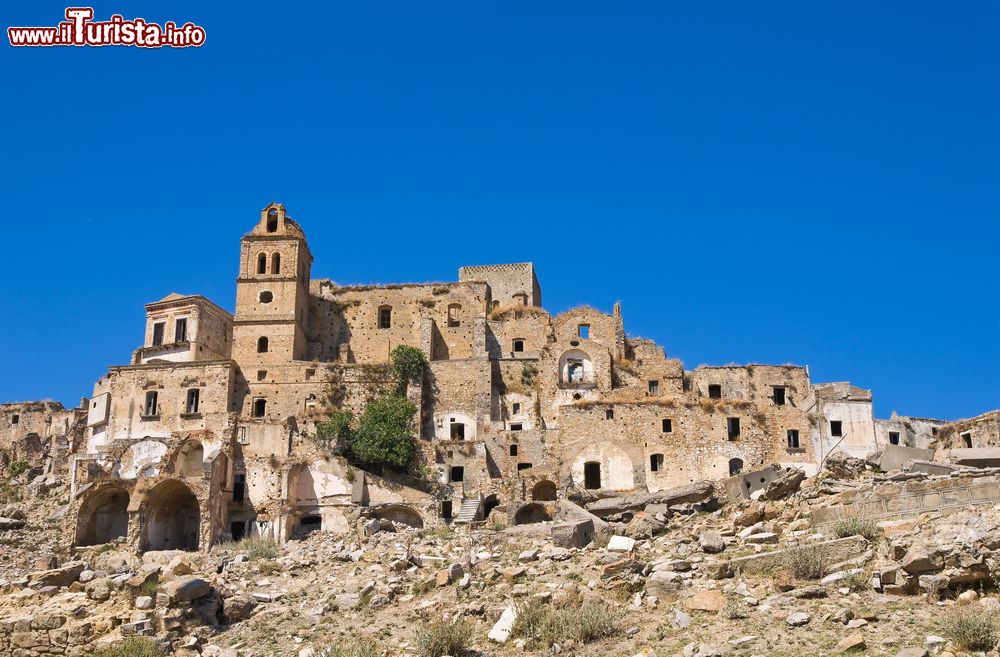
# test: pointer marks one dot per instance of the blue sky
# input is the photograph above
(815, 183)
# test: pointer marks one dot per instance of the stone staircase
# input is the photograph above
(468, 512)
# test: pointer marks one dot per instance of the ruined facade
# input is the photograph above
(208, 434)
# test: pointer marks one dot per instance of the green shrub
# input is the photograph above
(259, 548)
(408, 364)
(383, 433)
(973, 629)
(856, 526)
(17, 468)
(337, 430)
(353, 648)
(134, 646)
(150, 587)
(444, 637)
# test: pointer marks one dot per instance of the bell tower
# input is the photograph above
(272, 291)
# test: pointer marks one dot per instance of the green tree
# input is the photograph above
(408, 364)
(383, 432)
(336, 431)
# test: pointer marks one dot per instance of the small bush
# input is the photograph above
(269, 567)
(973, 629)
(444, 637)
(856, 582)
(259, 548)
(134, 646)
(150, 587)
(856, 526)
(543, 625)
(408, 365)
(804, 562)
(17, 468)
(354, 648)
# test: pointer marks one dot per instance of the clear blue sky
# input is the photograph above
(815, 183)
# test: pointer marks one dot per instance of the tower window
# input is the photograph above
(715, 391)
(733, 427)
(453, 311)
(654, 387)
(15, 418)
(385, 317)
(836, 428)
(266, 296)
(262, 345)
(181, 330)
(513, 450)
(515, 408)
(655, 462)
(149, 409)
(667, 425)
(276, 263)
(259, 407)
(262, 263)
(609, 414)
(583, 330)
(192, 400)
(272, 220)
(779, 395)
(893, 437)
(793, 439)
(158, 329)
(518, 346)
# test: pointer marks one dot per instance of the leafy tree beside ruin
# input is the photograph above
(382, 435)
(408, 365)
(383, 432)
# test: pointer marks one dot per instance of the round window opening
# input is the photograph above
(574, 343)
(577, 396)
(266, 297)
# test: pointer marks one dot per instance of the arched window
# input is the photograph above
(276, 263)
(259, 407)
(384, 317)
(262, 263)
(453, 311)
(272, 220)
(262, 345)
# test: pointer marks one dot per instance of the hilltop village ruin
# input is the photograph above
(209, 433)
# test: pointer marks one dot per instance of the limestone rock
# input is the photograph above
(186, 589)
(711, 542)
(798, 618)
(921, 559)
(710, 600)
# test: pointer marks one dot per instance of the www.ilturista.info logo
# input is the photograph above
(79, 29)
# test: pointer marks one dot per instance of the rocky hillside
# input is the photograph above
(749, 578)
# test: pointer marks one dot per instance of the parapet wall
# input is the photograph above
(910, 499)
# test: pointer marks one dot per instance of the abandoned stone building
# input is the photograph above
(208, 434)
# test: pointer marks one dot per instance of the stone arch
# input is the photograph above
(171, 519)
(576, 367)
(544, 491)
(531, 513)
(616, 468)
(190, 459)
(491, 502)
(103, 516)
(402, 515)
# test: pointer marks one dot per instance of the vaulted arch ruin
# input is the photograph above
(171, 518)
(103, 516)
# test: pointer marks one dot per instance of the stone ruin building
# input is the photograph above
(208, 434)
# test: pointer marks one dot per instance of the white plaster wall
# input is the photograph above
(858, 427)
(442, 425)
(616, 466)
(144, 456)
